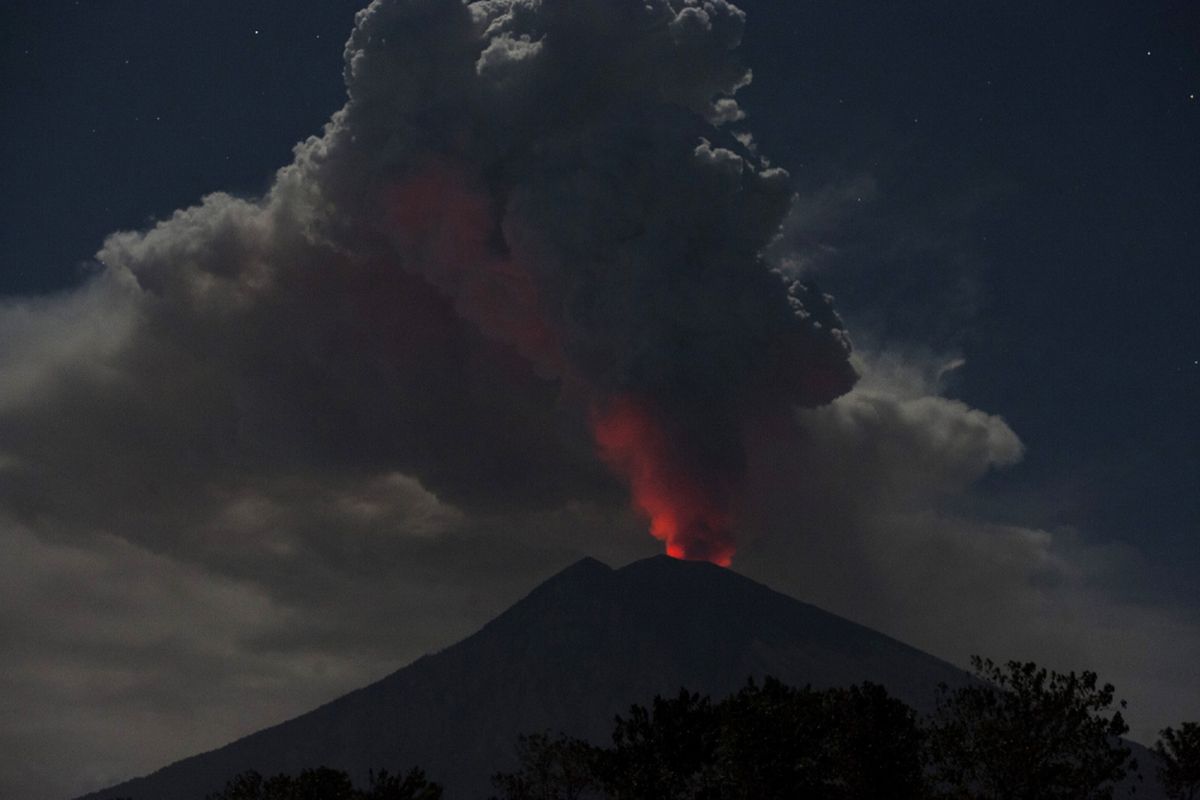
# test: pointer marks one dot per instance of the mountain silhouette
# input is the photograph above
(578, 649)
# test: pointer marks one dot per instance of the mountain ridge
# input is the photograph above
(579, 648)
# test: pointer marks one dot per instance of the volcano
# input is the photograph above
(578, 649)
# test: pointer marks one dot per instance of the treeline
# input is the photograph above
(324, 783)
(1019, 732)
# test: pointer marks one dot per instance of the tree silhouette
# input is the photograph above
(1018, 732)
(837, 744)
(1178, 752)
(668, 751)
(243, 786)
(551, 768)
(324, 783)
(768, 741)
(1023, 733)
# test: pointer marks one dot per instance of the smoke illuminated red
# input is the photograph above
(444, 220)
(449, 228)
(685, 510)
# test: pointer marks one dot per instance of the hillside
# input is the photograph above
(578, 649)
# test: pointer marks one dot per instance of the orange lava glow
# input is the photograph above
(685, 510)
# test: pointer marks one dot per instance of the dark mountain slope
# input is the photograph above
(579, 649)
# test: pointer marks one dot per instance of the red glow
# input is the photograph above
(685, 511)
(444, 222)
(437, 211)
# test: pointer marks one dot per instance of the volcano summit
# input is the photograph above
(577, 650)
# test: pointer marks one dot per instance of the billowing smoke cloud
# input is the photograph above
(560, 173)
(529, 222)
(276, 447)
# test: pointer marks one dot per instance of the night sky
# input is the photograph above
(1003, 200)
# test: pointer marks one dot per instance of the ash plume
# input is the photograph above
(533, 224)
(563, 173)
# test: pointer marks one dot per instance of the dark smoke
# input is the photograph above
(532, 220)
(564, 172)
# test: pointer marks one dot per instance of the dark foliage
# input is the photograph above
(1024, 733)
(1178, 754)
(768, 741)
(668, 751)
(324, 783)
(839, 744)
(1019, 732)
(551, 768)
